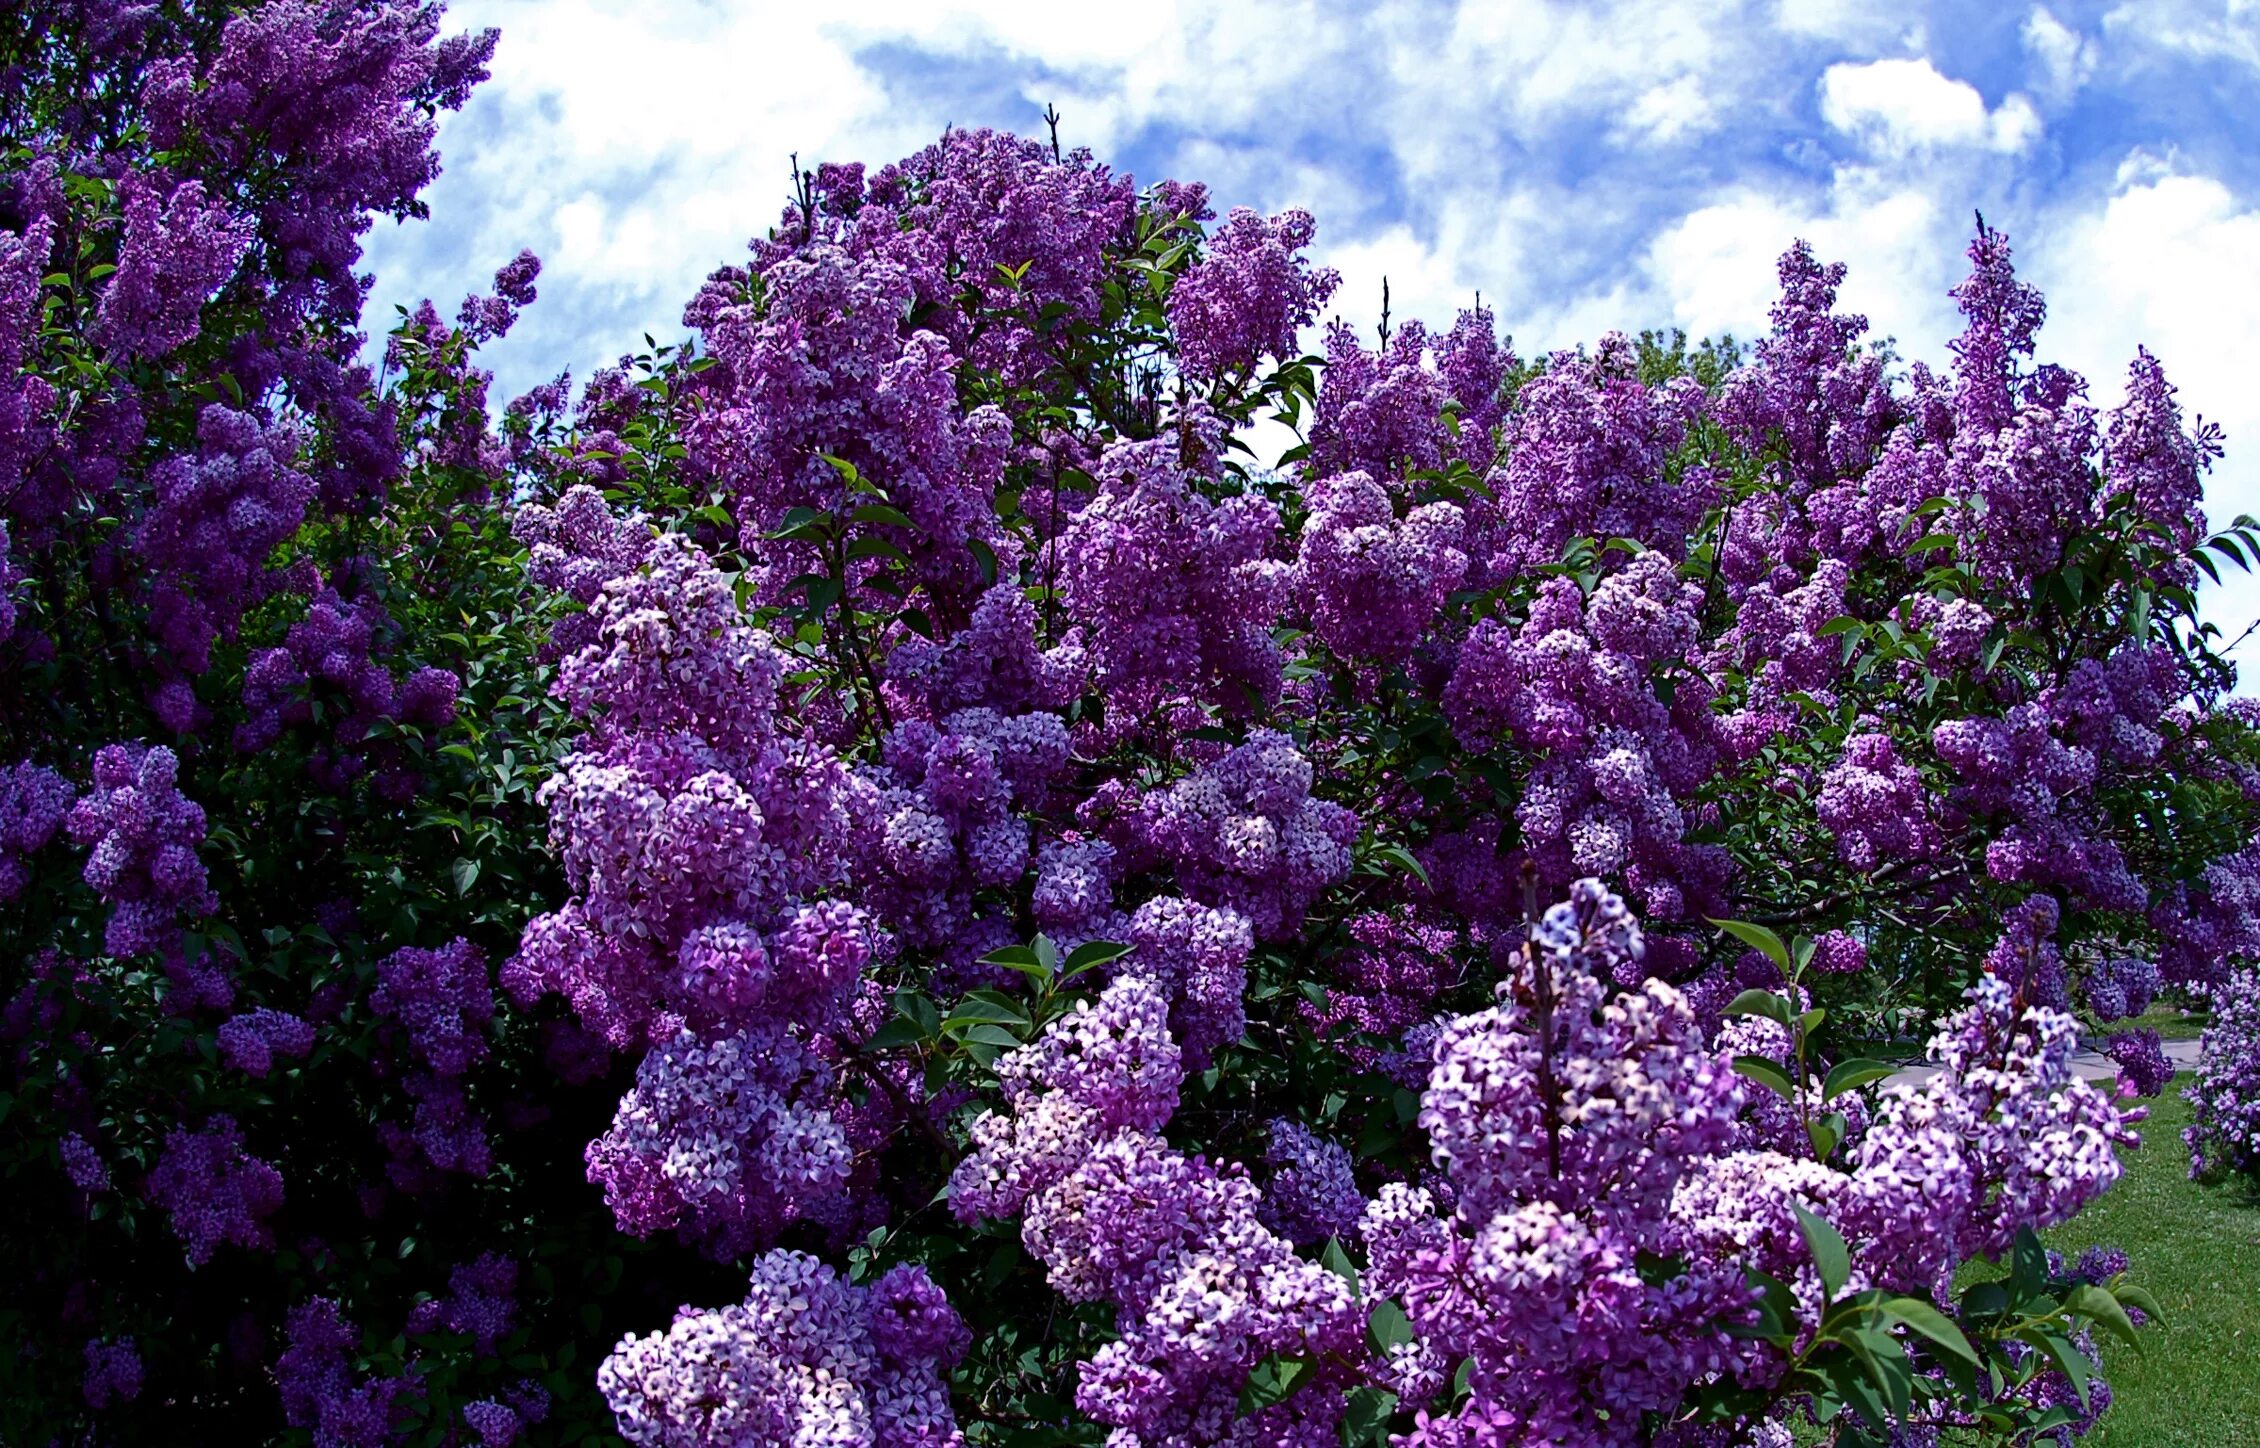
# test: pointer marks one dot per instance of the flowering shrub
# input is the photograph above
(1046, 930)
(2225, 1097)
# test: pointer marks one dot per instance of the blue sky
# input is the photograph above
(1584, 166)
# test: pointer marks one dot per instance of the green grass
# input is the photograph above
(2197, 1247)
(2171, 1022)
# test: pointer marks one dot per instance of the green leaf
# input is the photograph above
(989, 1035)
(1388, 1325)
(2097, 1303)
(1771, 1004)
(1757, 937)
(1403, 859)
(1337, 1261)
(1920, 1316)
(1826, 1133)
(1831, 1258)
(1851, 1075)
(1365, 1418)
(2140, 1298)
(1092, 954)
(465, 873)
(1767, 1072)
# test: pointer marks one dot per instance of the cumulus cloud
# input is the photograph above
(1899, 106)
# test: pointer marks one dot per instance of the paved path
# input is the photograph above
(2089, 1064)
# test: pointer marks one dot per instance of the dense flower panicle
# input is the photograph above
(215, 1191)
(1585, 453)
(1250, 294)
(729, 1141)
(1875, 804)
(1385, 982)
(2121, 987)
(1565, 1120)
(1811, 393)
(251, 1042)
(574, 548)
(1649, 1093)
(33, 802)
(141, 835)
(2147, 451)
(806, 1358)
(481, 1303)
(2224, 1130)
(1176, 592)
(177, 250)
(1313, 1192)
(994, 662)
(1372, 582)
(673, 652)
(1204, 1289)
(83, 1164)
(216, 516)
(2141, 1057)
(320, 1390)
(824, 367)
(1245, 834)
(113, 1372)
(442, 998)
(2003, 1137)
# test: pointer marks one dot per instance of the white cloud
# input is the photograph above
(1902, 106)
(2206, 29)
(2063, 59)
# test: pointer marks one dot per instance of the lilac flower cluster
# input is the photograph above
(1250, 294)
(1564, 1120)
(322, 1393)
(215, 517)
(1203, 1289)
(443, 1002)
(33, 801)
(1384, 413)
(113, 1372)
(2224, 1130)
(1175, 591)
(250, 1042)
(1246, 834)
(806, 1358)
(1875, 804)
(214, 1190)
(331, 656)
(1372, 583)
(141, 835)
(1584, 456)
(1574, 681)
(177, 250)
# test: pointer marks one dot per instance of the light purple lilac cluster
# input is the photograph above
(1389, 412)
(1581, 1130)
(1564, 1118)
(1203, 1289)
(1370, 581)
(1574, 684)
(1176, 591)
(806, 1358)
(1250, 295)
(2224, 1129)
(141, 836)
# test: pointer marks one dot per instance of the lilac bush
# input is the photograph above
(872, 875)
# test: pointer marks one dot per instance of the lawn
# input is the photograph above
(2198, 1248)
